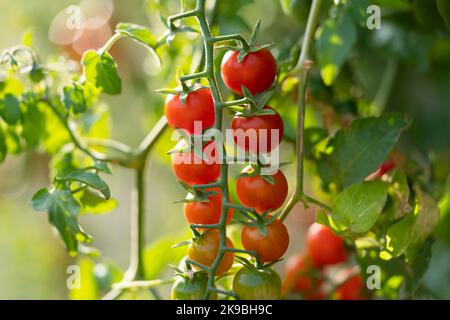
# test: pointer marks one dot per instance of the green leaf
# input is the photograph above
(334, 39)
(357, 151)
(95, 204)
(62, 210)
(55, 133)
(10, 109)
(91, 179)
(102, 166)
(407, 235)
(101, 71)
(138, 33)
(142, 35)
(33, 124)
(358, 208)
(74, 99)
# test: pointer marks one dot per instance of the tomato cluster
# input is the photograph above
(266, 236)
(305, 274)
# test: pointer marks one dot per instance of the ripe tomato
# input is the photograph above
(256, 71)
(269, 247)
(257, 284)
(352, 289)
(257, 193)
(384, 168)
(194, 288)
(206, 212)
(189, 168)
(255, 133)
(199, 106)
(323, 246)
(205, 249)
(302, 277)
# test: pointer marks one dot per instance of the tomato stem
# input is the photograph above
(303, 66)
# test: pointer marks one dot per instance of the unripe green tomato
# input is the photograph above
(36, 74)
(257, 284)
(297, 9)
(194, 288)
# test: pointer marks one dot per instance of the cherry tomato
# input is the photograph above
(191, 288)
(256, 71)
(269, 247)
(189, 168)
(205, 249)
(323, 246)
(259, 194)
(199, 106)
(384, 168)
(257, 284)
(206, 212)
(302, 277)
(352, 289)
(255, 133)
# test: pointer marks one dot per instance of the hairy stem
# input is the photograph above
(303, 66)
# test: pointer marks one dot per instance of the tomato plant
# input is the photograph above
(198, 106)
(323, 246)
(339, 96)
(265, 126)
(190, 287)
(269, 241)
(205, 249)
(256, 71)
(206, 211)
(261, 193)
(257, 284)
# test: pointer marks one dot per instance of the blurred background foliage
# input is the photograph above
(404, 66)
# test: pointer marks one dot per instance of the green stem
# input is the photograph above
(386, 83)
(111, 41)
(223, 180)
(136, 269)
(303, 66)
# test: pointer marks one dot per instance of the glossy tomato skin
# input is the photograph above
(323, 246)
(256, 71)
(205, 249)
(190, 169)
(194, 288)
(302, 277)
(259, 194)
(264, 125)
(352, 289)
(269, 247)
(257, 284)
(206, 212)
(199, 106)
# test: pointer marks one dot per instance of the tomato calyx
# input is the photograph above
(255, 106)
(182, 90)
(195, 194)
(257, 264)
(251, 46)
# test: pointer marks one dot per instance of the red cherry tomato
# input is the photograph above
(302, 277)
(255, 133)
(190, 169)
(206, 212)
(257, 193)
(199, 106)
(269, 247)
(256, 71)
(352, 289)
(384, 168)
(323, 246)
(205, 249)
